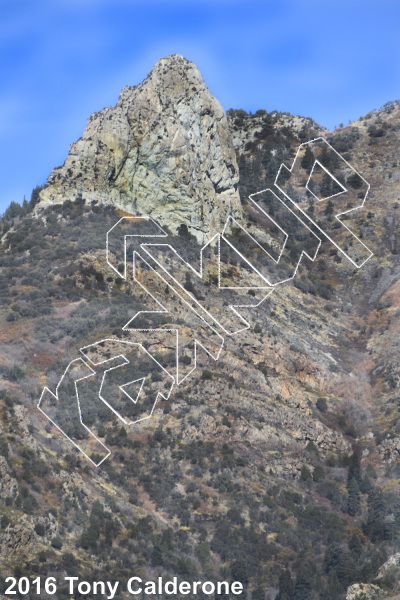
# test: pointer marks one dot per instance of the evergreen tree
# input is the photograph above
(334, 587)
(239, 571)
(286, 586)
(365, 485)
(35, 196)
(375, 527)
(258, 594)
(339, 565)
(318, 473)
(355, 546)
(14, 210)
(353, 499)
(25, 207)
(303, 585)
(397, 514)
(325, 157)
(354, 470)
(329, 208)
(308, 159)
(326, 186)
(157, 558)
(290, 191)
(332, 557)
(305, 474)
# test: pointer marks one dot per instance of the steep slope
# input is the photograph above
(277, 464)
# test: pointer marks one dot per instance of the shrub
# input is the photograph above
(4, 521)
(40, 529)
(29, 504)
(69, 560)
(375, 132)
(57, 543)
(133, 498)
(4, 449)
(15, 373)
(305, 474)
(206, 375)
(355, 181)
(311, 447)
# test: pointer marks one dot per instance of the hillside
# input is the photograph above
(277, 464)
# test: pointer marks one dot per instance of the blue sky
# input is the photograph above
(61, 60)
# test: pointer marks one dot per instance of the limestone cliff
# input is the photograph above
(164, 150)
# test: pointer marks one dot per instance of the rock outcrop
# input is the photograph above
(8, 485)
(18, 538)
(164, 150)
(365, 591)
(393, 562)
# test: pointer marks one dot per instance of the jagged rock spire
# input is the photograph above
(164, 150)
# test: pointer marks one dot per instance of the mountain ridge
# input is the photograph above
(277, 465)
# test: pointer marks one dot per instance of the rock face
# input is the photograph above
(164, 150)
(365, 591)
(393, 562)
(8, 485)
(17, 539)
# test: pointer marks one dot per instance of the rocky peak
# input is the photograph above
(164, 150)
